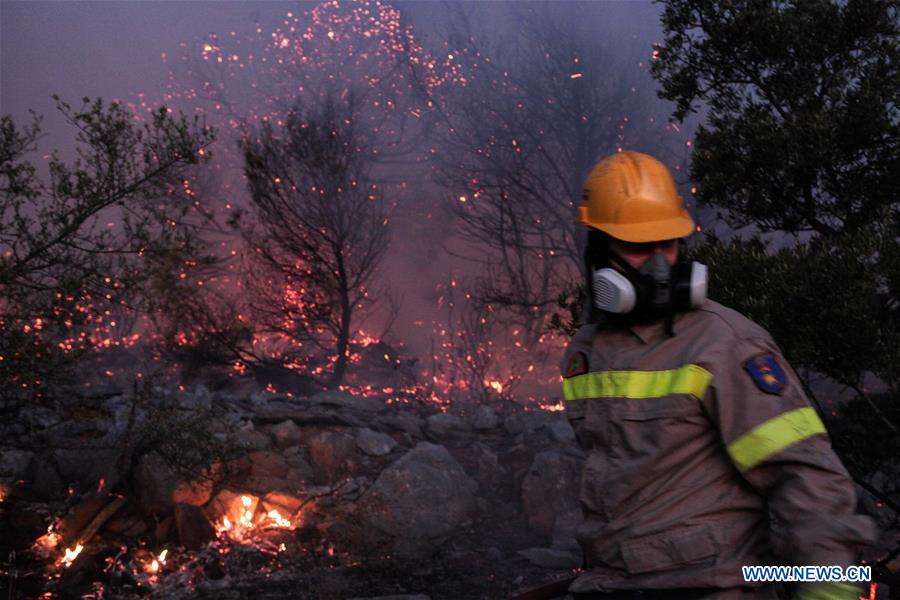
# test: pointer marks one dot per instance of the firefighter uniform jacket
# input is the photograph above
(691, 442)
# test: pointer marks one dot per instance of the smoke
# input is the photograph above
(239, 64)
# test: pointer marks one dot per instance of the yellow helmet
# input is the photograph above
(632, 197)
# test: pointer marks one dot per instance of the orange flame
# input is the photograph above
(47, 543)
(247, 512)
(71, 555)
(277, 519)
(245, 523)
(158, 562)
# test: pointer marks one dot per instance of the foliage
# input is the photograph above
(827, 301)
(568, 310)
(801, 141)
(802, 128)
(82, 256)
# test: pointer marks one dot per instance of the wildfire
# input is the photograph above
(558, 407)
(71, 555)
(47, 543)
(246, 523)
(247, 512)
(366, 340)
(277, 519)
(158, 562)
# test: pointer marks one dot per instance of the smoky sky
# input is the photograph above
(116, 50)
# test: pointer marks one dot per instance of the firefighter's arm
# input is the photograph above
(778, 443)
(575, 362)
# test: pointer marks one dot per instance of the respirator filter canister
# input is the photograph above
(684, 287)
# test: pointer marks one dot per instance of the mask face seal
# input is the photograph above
(658, 280)
(653, 290)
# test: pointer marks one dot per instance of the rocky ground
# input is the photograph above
(240, 494)
(213, 495)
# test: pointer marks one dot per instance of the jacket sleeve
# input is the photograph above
(582, 342)
(779, 445)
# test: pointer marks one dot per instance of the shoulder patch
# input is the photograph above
(767, 374)
(577, 365)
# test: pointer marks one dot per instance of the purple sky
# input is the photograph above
(108, 49)
(113, 48)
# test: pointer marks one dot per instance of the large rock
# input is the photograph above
(249, 438)
(530, 422)
(14, 464)
(513, 424)
(159, 487)
(268, 471)
(194, 529)
(296, 459)
(348, 401)
(493, 477)
(286, 504)
(46, 482)
(333, 456)
(420, 500)
(287, 434)
(409, 423)
(550, 489)
(374, 443)
(83, 468)
(561, 431)
(485, 418)
(445, 425)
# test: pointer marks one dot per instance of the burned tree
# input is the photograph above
(83, 256)
(320, 231)
(540, 107)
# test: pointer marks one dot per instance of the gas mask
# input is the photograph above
(653, 290)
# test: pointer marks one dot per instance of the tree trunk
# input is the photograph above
(343, 341)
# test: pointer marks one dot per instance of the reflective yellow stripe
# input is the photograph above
(689, 379)
(773, 436)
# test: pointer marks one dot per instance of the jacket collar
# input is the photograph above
(651, 332)
(648, 332)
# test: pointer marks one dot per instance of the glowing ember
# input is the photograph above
(158, 562)
(71, 555)
(47, 543)
(247, 512)
(277, 520)
(242, 523)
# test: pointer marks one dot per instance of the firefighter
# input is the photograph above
(697, 433)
